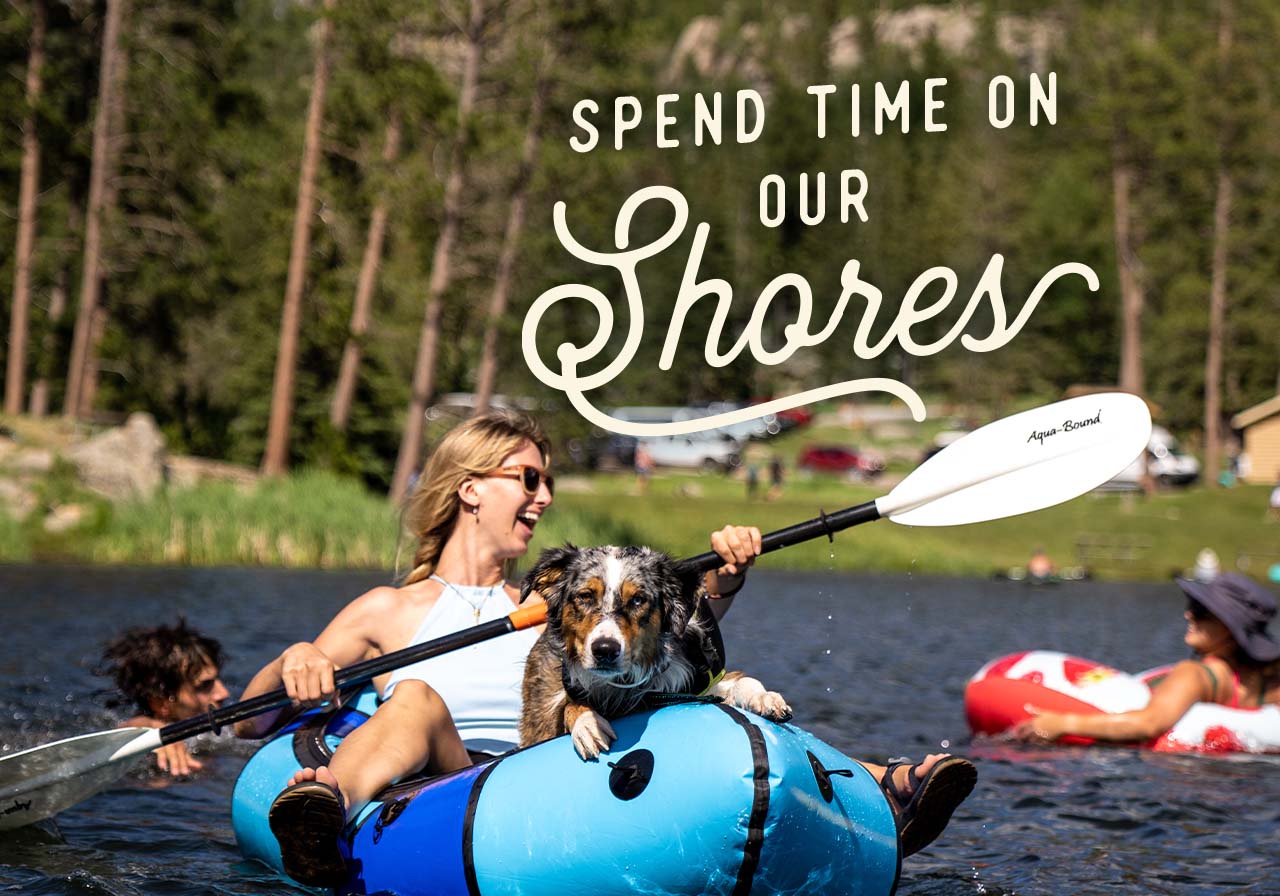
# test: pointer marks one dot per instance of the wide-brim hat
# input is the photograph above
(1243, 606)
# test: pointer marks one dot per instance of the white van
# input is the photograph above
(1167, 464)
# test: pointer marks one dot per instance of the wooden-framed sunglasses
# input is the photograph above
(530, 478)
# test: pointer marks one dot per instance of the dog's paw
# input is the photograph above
(592, 733)
(771, 705)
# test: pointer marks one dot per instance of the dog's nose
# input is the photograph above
(606, 651)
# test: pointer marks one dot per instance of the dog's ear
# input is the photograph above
(681, 592)
(547, 573)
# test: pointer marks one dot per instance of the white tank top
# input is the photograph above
(480, 684)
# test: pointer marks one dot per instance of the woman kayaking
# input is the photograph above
(1236, 665)
(473, 513)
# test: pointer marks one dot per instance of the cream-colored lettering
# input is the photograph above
(796, 335)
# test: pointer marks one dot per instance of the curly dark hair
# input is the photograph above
(155, 662)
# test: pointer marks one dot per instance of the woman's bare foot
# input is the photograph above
(902, 778)
(923, 796)
(321, 774)
(904, 781)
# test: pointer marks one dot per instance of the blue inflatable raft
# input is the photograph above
(693, 798)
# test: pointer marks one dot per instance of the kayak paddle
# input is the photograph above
(40, 782)
(1018, 464)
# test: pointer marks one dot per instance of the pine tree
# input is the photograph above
(117, 140)
(514, 231)
(1221, 248)
(275, 460)
(103, 164)
(424, 370)
(340, 409)
(27, 204)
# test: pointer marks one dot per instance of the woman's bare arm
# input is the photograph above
(1185, 685)
(305, 669)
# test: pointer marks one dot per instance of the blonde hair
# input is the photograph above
(472, 448)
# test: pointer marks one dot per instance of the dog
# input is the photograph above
(623, 624)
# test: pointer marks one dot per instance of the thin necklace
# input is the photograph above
(469, 602)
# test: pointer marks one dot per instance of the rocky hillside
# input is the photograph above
(52, 472)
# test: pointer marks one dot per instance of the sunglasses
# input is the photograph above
(1198, 611)
(531, 478)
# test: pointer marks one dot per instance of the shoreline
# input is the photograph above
(316, 520)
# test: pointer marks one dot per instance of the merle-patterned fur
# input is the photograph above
(642, 593)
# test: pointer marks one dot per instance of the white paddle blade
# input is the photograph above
(40, 782)
(1024, 462)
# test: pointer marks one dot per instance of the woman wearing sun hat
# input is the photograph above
(1237, 664)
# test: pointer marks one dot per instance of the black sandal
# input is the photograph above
(307, 820)
(923, 813)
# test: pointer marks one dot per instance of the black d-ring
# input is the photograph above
(631, 774)
(823, 776)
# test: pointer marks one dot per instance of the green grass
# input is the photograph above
(312, 519)
(14, 544)
(315, 519)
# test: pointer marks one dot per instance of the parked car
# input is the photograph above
(762, 427)
(794, 417)
(604, 451)
(709, 451)
(1167, 464)
(839, 459)
(790, 418)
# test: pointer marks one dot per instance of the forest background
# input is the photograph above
(284, 228)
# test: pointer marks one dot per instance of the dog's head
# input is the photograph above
(617, 611)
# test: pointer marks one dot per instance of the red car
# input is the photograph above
(792, 417)
(836, 459)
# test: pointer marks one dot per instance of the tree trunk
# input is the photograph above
(340, 410)
(1217, 324)
(1132, 297)
(424, 367)
(57, 307)
(115, 149)
(89, 388)
(28, 190)
(1218, 277)
(98, 177)
(511, 239)
(276, 457)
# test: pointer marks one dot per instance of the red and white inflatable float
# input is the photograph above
(998, 693)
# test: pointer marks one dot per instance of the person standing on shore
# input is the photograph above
(644, 467)
(775, 479)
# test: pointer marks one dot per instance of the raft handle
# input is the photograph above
(631, 774)
(823, 776)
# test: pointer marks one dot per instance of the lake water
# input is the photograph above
(874, 665)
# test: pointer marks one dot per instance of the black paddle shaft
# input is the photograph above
(355, 674)
(823, 524)
(366, 671)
